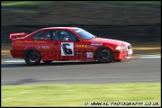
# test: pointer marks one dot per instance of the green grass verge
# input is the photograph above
(139, 3)
(42, 3)
(78, 94)
(24, 4)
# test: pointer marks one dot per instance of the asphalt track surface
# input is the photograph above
(133, 70)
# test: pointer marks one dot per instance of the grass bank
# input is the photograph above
(42, 3)
(80, 94)
(139, 3)
(24, 4)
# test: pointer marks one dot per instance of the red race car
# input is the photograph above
(67, 43)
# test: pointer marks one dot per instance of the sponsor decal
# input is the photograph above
(17, 41)
(67, 49)
(45, 47)
(81, 46)
(96, 44)
(79, 53)
(26, 41)
(36, 41)
(89, 54)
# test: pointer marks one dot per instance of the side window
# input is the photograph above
(72, 36)
(47, 35)
(55, 35)
(43, 35)
(64, 35)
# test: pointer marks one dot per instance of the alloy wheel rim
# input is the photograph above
(33, 57)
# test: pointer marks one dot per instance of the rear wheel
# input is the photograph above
(104, 55)
(47, 61)
(32, 57)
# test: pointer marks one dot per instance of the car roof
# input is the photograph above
(67, 28)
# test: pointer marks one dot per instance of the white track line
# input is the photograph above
(14, 61)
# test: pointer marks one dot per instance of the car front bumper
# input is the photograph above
(123, 55)
(120, 55)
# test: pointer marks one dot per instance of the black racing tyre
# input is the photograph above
(47, 61)
(32, 57)
(104, 55)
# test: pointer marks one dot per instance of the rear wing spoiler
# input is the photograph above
(17, 35)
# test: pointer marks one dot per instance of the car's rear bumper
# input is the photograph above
(17, 53)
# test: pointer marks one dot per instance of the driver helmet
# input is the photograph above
(64, 33)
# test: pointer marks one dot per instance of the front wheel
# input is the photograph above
(104, 55)
(32, 57)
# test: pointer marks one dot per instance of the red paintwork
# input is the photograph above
(53, 52)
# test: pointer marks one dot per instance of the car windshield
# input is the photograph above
(84, 34)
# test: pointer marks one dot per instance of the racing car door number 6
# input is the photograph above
(67, 49)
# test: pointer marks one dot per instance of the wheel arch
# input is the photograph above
(108, 47)
(31, 49)
(37, 57)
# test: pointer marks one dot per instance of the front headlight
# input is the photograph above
(120, 48)
(129, 47)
